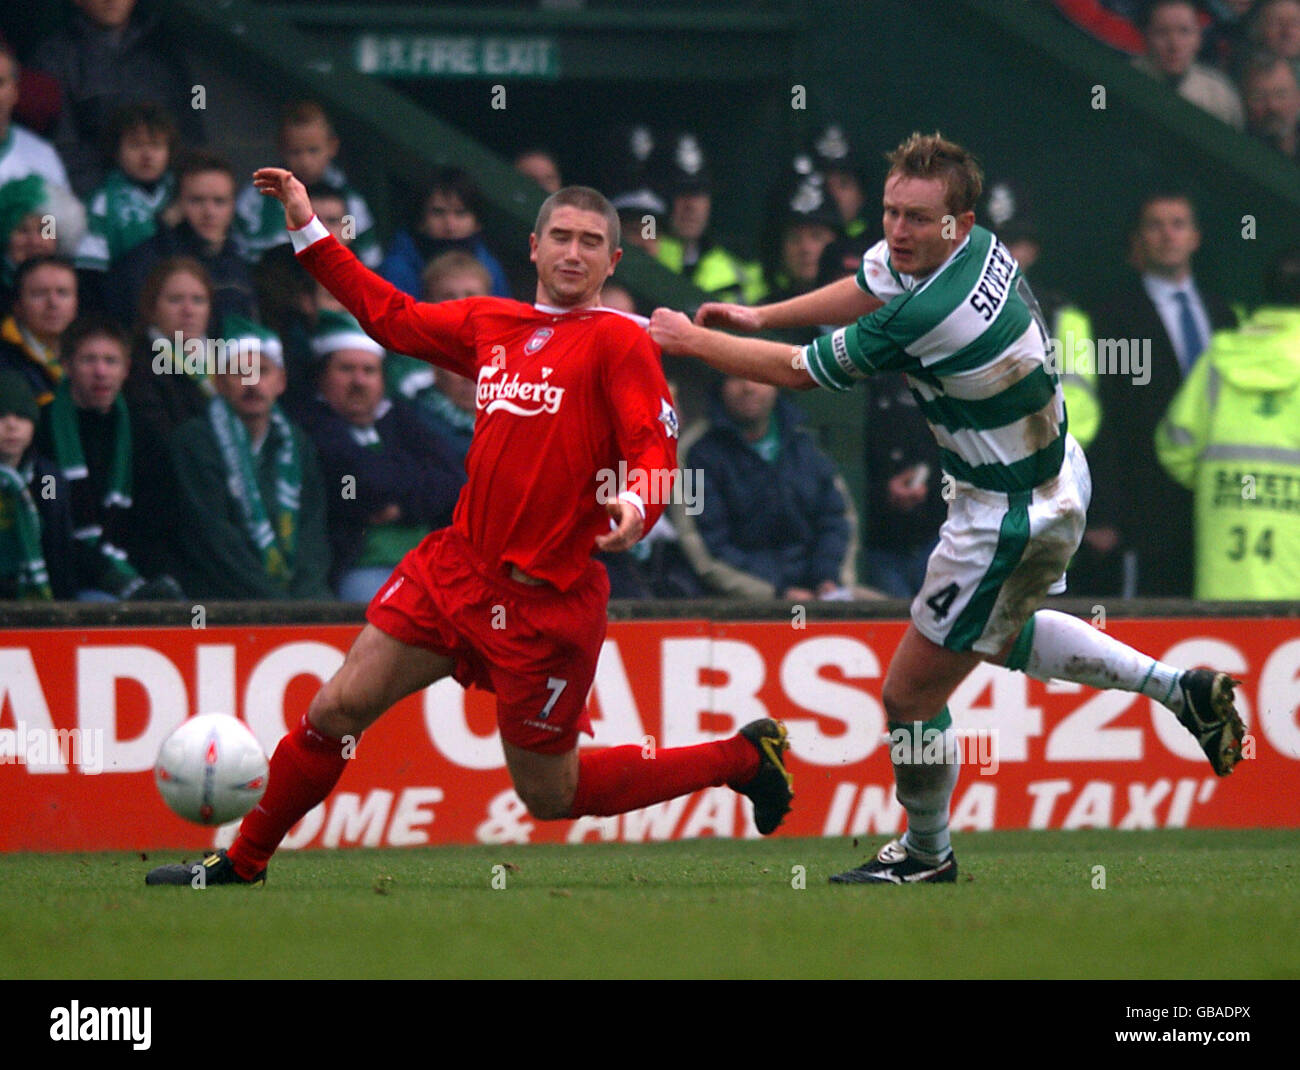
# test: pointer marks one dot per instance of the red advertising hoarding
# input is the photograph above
(82, 712)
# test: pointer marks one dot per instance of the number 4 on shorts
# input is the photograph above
(942, 602)
(556, 686)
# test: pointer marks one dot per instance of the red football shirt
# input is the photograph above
(563, 398)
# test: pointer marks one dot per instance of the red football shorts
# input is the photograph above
(534, 646)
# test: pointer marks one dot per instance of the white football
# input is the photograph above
(211, 769)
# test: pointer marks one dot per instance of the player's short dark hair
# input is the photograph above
(35, 263)
(934, 156)
(200, 162)
(85, 327)
(142, 115)
(587, 199)
(1282, 280)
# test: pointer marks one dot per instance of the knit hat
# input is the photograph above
(18, 199)
(237, 330)
(16, 396)
(340, 330)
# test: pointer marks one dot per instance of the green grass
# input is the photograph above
(1177, 904)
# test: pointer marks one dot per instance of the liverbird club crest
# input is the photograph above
(539, 338)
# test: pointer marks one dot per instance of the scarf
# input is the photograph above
(442, 406)
(32, 578)
(65, 432)
(275, 537)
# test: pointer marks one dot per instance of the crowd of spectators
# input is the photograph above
(186, 413)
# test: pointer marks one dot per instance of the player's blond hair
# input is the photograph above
(933, 156)
(587, 199)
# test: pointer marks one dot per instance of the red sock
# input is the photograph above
(304, 769)
(619, 779)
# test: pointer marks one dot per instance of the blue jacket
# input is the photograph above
(785, 524)
(408, 256)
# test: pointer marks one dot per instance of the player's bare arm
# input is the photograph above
(839, 302)
(750, 358)
(284, 187)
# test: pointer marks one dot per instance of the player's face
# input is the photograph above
(1279, 30)
(308, 149)
(183, 305)
(96, 372)
(447, 219)
(920, 229)
(15, 436)
(143, 154)
(1167, 237)
(352, 384)
(47, 302)
(573, 257)
(1174, 38)
(207, 200)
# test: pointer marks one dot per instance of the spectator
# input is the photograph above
(1173, 317)
(690, 249)
(86, 431)
(773, 516)
(1273, 103)
(539, 165)
(123, 212)
(1232, 435)
(809, 223)
(444, 401)
(36, 548)
(175, 306)
(290, 300)
(45, 303)
(22, 153)
(843, 171)
(641, 213)
(617, 297)
(206, 197)
(112, 55)
(252, 503)
(1276, 30)
(1173, 37)
(309, 148)
(452, 217)
(39, 98)
(391, 480)
(36, 219)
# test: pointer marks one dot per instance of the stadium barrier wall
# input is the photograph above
(88, 693)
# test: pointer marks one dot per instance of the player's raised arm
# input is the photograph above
(750, 358)
(436, 333)
(839, 302)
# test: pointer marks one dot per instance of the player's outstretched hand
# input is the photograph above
(284, 187)
(728, 316)
(628, 530)
(672, 331)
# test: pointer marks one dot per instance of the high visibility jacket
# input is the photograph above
(1232, 434)
(719, 273)
(1071, 326)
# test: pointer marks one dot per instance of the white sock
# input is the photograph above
(925, 788)
(1067, 648)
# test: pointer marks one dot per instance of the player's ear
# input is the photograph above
(532, 247)
(614, 259)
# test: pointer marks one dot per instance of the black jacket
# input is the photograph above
(1131, 492)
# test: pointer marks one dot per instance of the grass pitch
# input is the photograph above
(1176, 904)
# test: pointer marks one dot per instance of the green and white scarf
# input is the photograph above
(275, 537)
(18, 513)
(65, 431)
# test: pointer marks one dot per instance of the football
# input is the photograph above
(211, 769)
